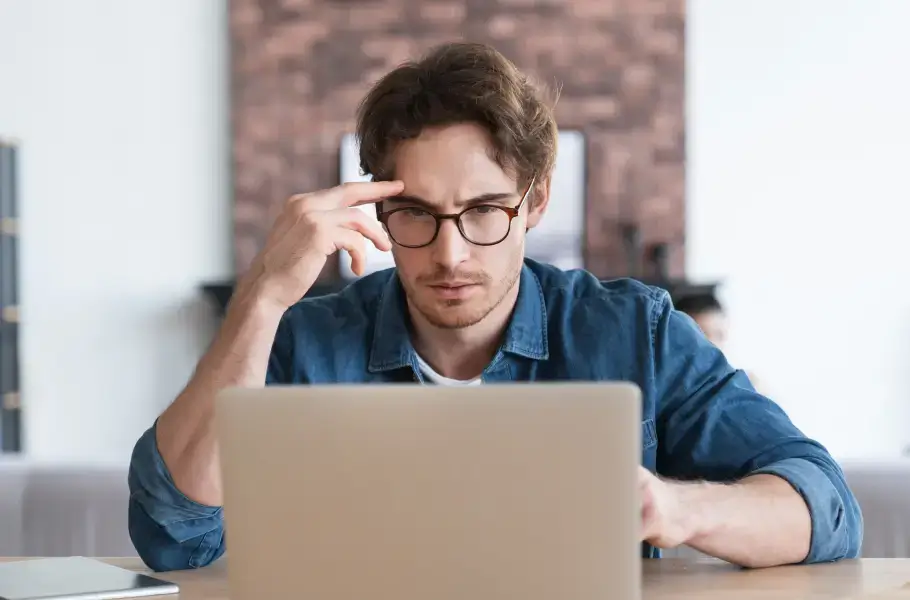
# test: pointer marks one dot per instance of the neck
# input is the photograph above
(465, 352)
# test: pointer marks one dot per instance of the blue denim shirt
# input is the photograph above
(702, 419)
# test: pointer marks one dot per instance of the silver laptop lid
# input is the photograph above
(412, 492)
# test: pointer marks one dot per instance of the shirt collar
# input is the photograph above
(526, 334)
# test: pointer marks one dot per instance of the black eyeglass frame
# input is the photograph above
(512, 212)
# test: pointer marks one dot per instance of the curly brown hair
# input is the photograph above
(459, 82)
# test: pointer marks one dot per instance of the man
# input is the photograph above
(461, 149)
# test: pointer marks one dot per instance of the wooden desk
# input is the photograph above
(670, 578)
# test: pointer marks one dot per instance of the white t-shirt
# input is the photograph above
(438, 379)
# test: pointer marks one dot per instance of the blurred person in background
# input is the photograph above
(709, 314)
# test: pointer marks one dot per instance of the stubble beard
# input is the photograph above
(458, 314)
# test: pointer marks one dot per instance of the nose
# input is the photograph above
(450, 249)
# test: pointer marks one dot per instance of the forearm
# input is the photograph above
(760, 521)
(238, 357)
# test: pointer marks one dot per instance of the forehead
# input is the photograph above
(452, 162)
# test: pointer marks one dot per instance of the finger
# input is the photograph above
(642, 475)
(354, 244)
(646, 508)
(649, 529)
(644, 479)
(368, 227)
(355, 194)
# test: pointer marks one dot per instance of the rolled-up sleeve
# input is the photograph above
(713, 425)
(169, 530)
(837, 523)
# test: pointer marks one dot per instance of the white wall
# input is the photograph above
(799, 132)
(121, 110)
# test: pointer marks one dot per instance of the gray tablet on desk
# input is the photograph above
(76, 578)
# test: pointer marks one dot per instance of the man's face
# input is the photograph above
(713, 324)
(452, 282)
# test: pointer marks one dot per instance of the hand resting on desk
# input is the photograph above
(757, 522)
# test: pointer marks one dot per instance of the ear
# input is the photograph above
(538, 201)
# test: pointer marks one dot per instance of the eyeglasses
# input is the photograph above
(483, 224)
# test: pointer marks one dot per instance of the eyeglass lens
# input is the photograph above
(479, 225)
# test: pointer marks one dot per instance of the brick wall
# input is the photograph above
(300, 67)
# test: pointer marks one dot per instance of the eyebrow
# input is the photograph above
(481, 199)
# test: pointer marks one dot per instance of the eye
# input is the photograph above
(484, 210)
(413, 212)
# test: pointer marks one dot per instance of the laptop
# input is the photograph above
(500, 491)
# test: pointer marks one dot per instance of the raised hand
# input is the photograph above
(312, 227)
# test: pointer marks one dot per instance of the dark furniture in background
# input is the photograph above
(646, 265)
(220, 293)
(10, 399)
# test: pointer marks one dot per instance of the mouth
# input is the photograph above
(453, 289)
(452, 284)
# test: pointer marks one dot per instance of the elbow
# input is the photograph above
(151, 543)
(181, 546)
(853, 527)
(169, 531)
(837, 520)
(843, 541)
